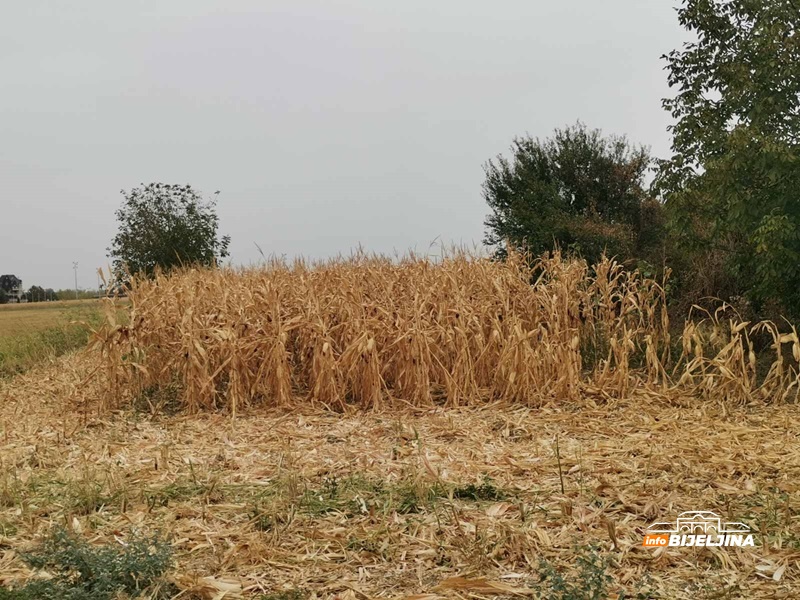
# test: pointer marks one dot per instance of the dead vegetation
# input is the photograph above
(416, 332)
(524, 426)
(467, 502)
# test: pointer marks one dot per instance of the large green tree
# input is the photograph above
(162, 226)
(577, 190)
(733, 183)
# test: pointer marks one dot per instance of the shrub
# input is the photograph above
(84, 572)
(589, 581)
(578, 190)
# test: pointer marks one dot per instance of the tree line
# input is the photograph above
(723, 212)
(36, 293)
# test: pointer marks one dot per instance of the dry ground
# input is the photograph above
(394, 504)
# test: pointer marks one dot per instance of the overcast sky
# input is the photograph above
(325, 124)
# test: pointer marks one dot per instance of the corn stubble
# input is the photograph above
(369, 331)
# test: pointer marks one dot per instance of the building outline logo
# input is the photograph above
(698, 528)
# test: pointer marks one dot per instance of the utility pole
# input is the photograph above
(75, 268)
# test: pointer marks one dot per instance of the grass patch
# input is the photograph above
(356, 495)
(53, 332)
(485, 490)
(83, 572)
(285, 595)
(771, 512)
(589, 580)
(87, 497)
(45, 494)
(210, 491)
(7, 529)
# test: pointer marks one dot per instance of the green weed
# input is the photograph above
(84, 572)
(590, 580)
(485, 490)
(285, 595)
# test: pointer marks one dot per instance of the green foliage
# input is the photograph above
(411, 497)
(354, 495)
(577, 190)
(162, 226)
(67, 294)
(286, 595)
(37, 293)
(485, 490)
(3, 296)
(732, 181)
(590, 580)
(84, 572)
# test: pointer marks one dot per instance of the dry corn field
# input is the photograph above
(369, 331)
(413, 429)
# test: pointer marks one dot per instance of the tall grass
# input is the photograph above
(368, 330)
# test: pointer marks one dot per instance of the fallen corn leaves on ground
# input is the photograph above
(452, 503)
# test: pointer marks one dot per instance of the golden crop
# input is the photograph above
(460, 329)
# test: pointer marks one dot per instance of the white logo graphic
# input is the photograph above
(699, 528)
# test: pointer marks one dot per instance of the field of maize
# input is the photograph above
(416, 429)
(458, 330)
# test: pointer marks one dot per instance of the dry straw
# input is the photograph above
(461, 329)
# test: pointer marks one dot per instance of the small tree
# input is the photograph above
(577, 190)
(162, 226)
(3, 296)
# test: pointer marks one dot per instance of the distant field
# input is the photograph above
(39, 331)
(20, 319)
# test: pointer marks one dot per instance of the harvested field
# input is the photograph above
(413, 429)
(421, 503)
